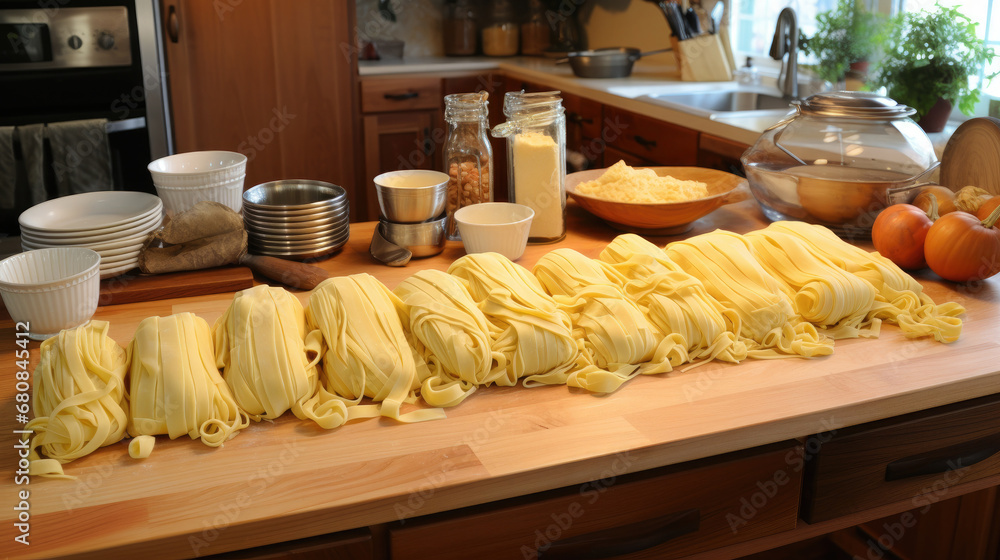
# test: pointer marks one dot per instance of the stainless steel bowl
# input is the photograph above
(411, 196)
(277, 219)
(293, 195)
(423, 240)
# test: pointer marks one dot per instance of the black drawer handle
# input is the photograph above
(173, 24)
(624, 540)
(945, 459)
(401, 96)
(648, 144)
(578, 119)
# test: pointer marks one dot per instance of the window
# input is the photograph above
(753, 22)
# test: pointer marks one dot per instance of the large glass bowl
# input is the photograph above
(838, 161)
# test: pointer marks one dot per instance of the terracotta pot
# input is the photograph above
(859, 67)
(937, 117)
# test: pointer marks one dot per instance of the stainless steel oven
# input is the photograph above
(74, 60)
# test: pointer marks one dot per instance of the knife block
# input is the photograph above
(702, 59)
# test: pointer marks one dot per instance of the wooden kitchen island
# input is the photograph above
(750, 469)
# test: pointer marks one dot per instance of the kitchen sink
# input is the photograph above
(716, 103)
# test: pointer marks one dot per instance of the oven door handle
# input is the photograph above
(173, 24)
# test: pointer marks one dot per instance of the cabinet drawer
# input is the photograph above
(395, 94)
(612, 156)
(912, 457)
(663, 513)
(650, 139)
(583, 113)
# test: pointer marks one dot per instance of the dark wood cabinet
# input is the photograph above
(272, 83)
(916, 457)
(357, 544)
(720, 153)
(403, 129)
(664, 513)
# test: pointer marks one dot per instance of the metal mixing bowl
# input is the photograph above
(294, 195)
(412, 195)
(423, 240)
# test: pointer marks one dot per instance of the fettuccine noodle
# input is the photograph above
(536, 336)
(618, 341)
(723, 262)
(367, 351)
(456, 338)
(899, 299)
(821, 292)
(175, 387)
(79, 397)
(675, 301)
(269, 359)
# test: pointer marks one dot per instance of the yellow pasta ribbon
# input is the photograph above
(822, 293)
(141, 447)
(175, 387)
(270, 361)
(455, 337)
(899, 297)
(536, 336)
(617, 340)
(674, 301)
(723, 262)
(79, 397)
(367, 350)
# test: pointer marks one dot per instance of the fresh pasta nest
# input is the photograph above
(784, 291)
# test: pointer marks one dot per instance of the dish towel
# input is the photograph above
(32, 139)
(81, 158)
(8, 168)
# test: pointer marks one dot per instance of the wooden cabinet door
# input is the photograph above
(269, 81)
(398, 141)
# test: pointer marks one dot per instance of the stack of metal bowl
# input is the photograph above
(296, 219)
(412, 203)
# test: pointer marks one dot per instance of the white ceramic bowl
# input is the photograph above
(51, 289)
(183, 180)
(495, 227)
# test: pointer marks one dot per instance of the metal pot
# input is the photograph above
(612, 62)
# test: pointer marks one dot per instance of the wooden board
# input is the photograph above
(289, 479)
(134, 287)
(972, 156)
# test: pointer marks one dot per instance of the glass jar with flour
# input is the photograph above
(536, 148)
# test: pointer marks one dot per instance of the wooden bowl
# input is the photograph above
(669, 218)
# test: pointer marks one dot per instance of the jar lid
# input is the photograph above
(853, 104)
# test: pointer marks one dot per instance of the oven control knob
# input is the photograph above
(75, 42)
(106, 41)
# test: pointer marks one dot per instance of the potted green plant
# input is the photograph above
(845, 35)
(929, 58)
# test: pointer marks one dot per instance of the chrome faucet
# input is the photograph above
(786, 42)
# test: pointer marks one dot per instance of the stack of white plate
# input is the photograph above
(112, 223)
(296, 219)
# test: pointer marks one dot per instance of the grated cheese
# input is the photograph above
(622, 183)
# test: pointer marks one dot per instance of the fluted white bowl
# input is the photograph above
(51, 289)
(185, 179)
(495, 227)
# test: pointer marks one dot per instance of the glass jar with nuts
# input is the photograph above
(467, 154)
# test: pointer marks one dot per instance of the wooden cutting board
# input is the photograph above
(972, 156)
(134, 287)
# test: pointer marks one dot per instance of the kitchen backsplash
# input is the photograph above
(604, 23)
(418, 23)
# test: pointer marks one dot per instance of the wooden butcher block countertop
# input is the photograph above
(291, 479)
